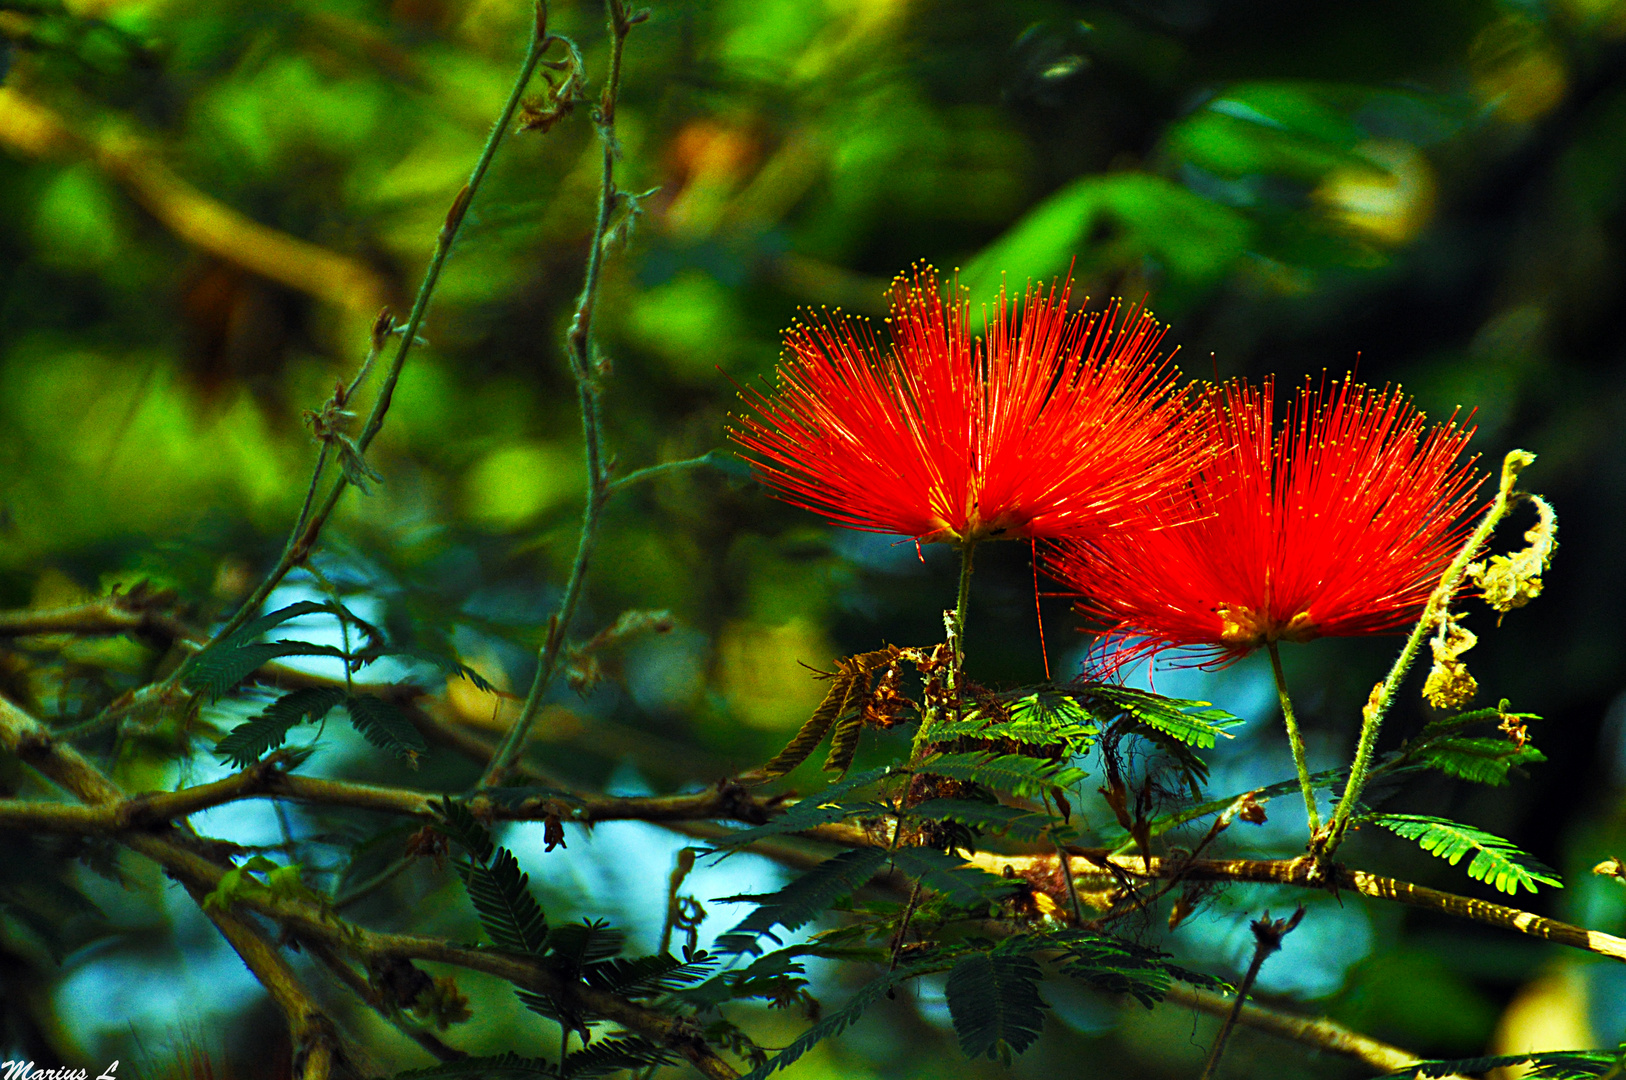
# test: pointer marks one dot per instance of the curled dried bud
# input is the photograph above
(1512, 581)
(1611, 867)
(1449, 684)
(382, 326)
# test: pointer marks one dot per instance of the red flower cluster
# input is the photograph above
(1051, 424)
(1341, 523)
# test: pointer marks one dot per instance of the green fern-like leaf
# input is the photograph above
(1479, 761)
(947, 874)
(508, 1066)
(457, 822)
(1495, 860)
(249, 741)
(216, 671)
(994, 1001)
(495, 884)
(801, 901)
(383, 724)
(609, 1056)
(836, 1022)
(1122, 967)
(777, 975)
(991, 817)
(1450, 725)
(573, 946)
(821, 809)
(1042, 718)
(1195, 723)
(229, 661)
(1011, 772)
(642, 976)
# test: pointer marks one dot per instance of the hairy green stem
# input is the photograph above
(1295, 740)
(962, 605)
(1384, 692)
(585, 368)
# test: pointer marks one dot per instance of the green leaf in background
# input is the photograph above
(1495, 860)
(246, 743)
(1194, 240)
(1479, 761)
(994, 1001)
(494, 883)
(1014, 773)
(1196, 723)
(383, 724)
(801, 901)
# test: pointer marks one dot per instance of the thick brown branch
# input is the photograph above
(1319, 1032)
(1099, 871)
(29, 127)
(24, 736)
(315, 1040)
(119, 614)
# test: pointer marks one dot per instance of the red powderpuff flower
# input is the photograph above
(1050, 424)
(1339, 524)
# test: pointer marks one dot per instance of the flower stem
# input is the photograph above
(1383, 693)
(1295, 740)
(960, 606)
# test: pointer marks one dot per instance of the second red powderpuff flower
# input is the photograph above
(1051, 424)
(1340, 523)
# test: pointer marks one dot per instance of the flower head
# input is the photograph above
(1340, 523)
(1050, 424)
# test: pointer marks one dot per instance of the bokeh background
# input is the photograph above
(203, 206)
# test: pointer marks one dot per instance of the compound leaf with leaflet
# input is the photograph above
(1479, 761)
(801, 901)
(249, 741)
(383, 724)
(1495, 860)
(994, 1001)
(1010, 772)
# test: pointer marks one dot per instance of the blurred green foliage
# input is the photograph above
(1435, 193)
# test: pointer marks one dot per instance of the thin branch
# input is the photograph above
(1318, 1032)
(366, 992)
(1295, 740)
(1096, 870)
(303, 539)
(587, 370)
(26, 737)
(652, 471)
(1267, 939)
